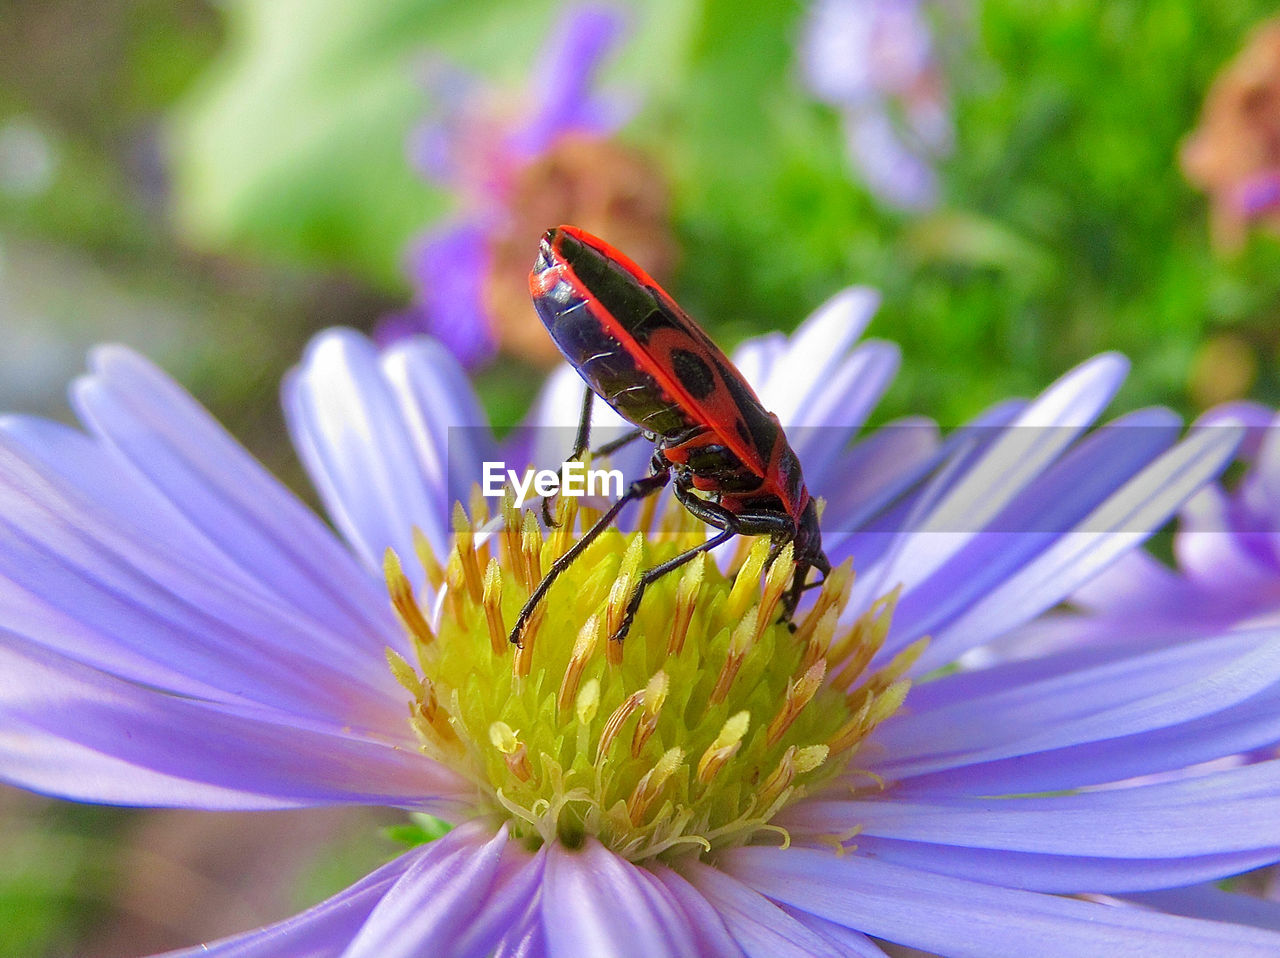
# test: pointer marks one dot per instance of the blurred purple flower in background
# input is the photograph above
(876, 62)
(516, 164)
(180, 630)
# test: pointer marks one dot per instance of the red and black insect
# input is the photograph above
(639, 352)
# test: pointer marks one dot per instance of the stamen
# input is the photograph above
(739, 717)
(648, 509)
(584, 647)
(492, 600)
(651, 783)
(588, 702)
(522, 661)
(585, 709)
(864, 640)
(427, 556)
(403, 672)
(513, 750)
(887, 702)
(740, 643)
(810, 757)
(613, 725)
(747, 581)
(588, 516)
(869, 710)
(897, 666)
(562, 535)
(776, 582)
(686, 601)
(799, 693)
(509, 544)
(741, 551)
(834, 593)
(403, 600)
(724, 747)
(464, 539)
(818, 645)
(620, 594)
(780, 778)
(454, 588)
(431, 721)
(655, 695)
(478, 507)
(531, 550)
(795, 761)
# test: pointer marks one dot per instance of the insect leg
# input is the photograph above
(613, 446)
(584, 426)
(782, 530)
(651, 576)
(799, 587)
(639, 490)
(710, 513)
(580, 444)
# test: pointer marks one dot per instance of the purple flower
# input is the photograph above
(179, 630)
(875, 61)
(517, 164)
(1227, 550)
(1259, 195)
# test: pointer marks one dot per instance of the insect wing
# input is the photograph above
(655, 335)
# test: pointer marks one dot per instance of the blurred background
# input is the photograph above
(212, 182)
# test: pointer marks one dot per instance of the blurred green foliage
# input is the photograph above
(1066, 227)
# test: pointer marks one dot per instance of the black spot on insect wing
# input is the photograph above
(694, 374)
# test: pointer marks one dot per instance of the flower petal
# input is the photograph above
(1188, 817)
(1214, 904)
(704, 919)
(438, 899)
(446, 423)
(816, 351)
(564, 76)
(1060, 874)
(1010, 461)
(450, 297)
(855, 943)
(79, 733)
(356, 420)
(596, 904)
(550, 431)
(95, 565)
(1058, 501)
(1138, 715)
(893, 171)
(1122, 521)
(755, 358)
(877, 470)
(966, 919)
(821, 429)
(174, 447)
(761, 928)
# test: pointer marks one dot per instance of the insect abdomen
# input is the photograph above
(610, 371)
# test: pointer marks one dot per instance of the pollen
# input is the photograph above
(687, 737)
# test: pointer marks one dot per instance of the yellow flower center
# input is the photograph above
(690, 735)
